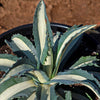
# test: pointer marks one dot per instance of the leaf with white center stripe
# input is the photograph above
(7, 61)
(84, 61)
(25, 94)
(42, 32)
(13, 86)
(42, 77)
(82, 73)
(92, 87)
(72, 77)
(17, 69)
(48, 92)
(66, 43)
(23, 47)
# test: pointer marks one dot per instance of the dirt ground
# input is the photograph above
(14, 13)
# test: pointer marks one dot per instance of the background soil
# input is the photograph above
(14, 13)
(18, 12)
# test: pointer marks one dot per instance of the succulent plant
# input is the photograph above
(32, 73)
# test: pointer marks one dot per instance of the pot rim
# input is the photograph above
(26, 26)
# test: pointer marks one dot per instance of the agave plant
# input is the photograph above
(32, 73)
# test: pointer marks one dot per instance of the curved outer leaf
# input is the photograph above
(17, 69)
(82, 73)
(25, 94)
(42, 32)
(66, 39)
(13, 86)
(7, 61)
(92, 87)
(72, 77)
(23, 47)
(84, 61)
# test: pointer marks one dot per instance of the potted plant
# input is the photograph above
(31, 73)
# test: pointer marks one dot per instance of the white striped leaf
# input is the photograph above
(13, 86)
(92, 87)
(23, 47)
(56, 38)
(67, 41)
(72, 77)
(25, 94)
(48, 64)
(7, 61)
(42, 77)
(82, 73)
(84, 61)
(75, 79)
(42, 32)
(48, 92)
(16, 70)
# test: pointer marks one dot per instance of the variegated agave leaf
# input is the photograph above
(42, 34)
(85, 61)
(72, 77)
(89, 63)
(7, 61)
(23, 47)
(47, 92)
(66, 43)
(43, 38)
(11, 87)
(20, 67)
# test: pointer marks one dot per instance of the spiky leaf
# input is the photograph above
(84, 61)
(16, 70)
(42, 32)
(13, 86)
(7, 61)
(23, 47)
(66, 43)
(72, 77)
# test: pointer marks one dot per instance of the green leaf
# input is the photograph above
(89, 96)
(13, 86)
(68, 95)
(23, 47)
(66, 43)
(7, 61)
(84, 61)
(42, 32)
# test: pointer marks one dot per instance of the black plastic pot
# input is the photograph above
(85, 47)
